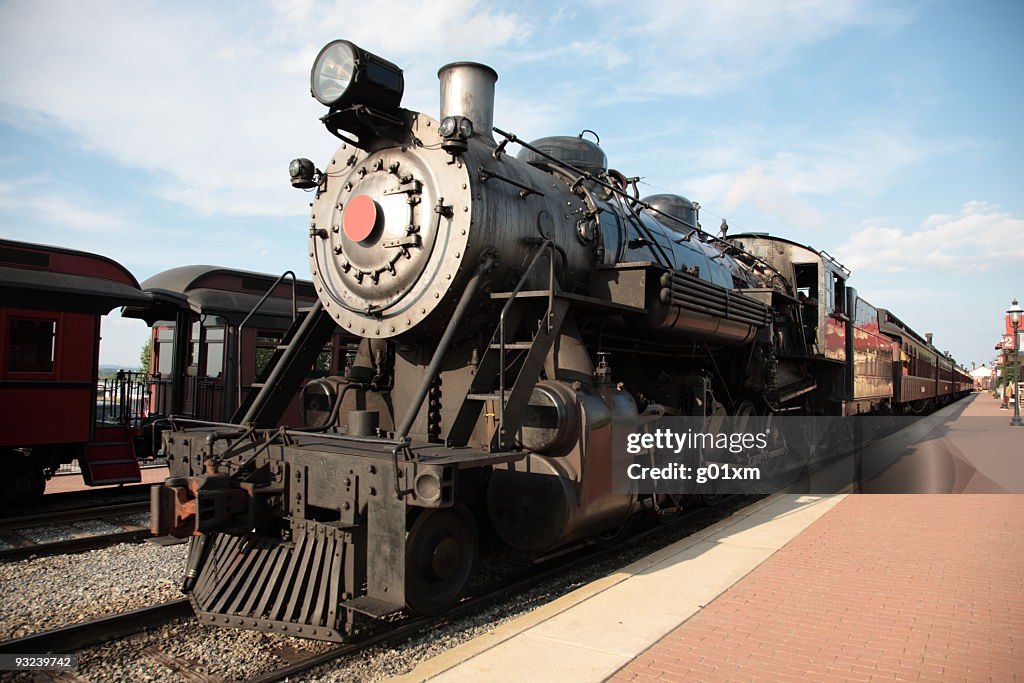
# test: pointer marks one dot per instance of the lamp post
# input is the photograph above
(1014, 313)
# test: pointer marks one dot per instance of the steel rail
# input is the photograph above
(128, 534)
(104, 629)
(75, 545)
(97, 631)
(72, 515)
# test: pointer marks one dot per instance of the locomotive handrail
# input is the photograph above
(266, 295)
(639, 224)
(487, 263)
(334, 436)
(175, 420)
(834, 260)
(546, 245)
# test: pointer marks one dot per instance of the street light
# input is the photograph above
(1014, 313)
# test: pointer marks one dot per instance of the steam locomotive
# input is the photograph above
(511, 310)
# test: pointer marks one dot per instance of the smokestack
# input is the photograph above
(467, 89)
(928, 336)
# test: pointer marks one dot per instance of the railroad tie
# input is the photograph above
(188, 669)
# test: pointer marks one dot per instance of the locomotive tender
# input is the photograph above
(510, 311)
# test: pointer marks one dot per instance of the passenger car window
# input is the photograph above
(31, 345)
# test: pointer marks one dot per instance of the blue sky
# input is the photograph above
(886, 133)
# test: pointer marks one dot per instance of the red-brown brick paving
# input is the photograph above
(62, 483)
(882, 588)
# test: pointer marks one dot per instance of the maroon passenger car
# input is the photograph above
(51, 407)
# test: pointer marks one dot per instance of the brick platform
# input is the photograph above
(882, 587)
(63, 483)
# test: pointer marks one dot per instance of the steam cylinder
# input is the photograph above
(547, 501)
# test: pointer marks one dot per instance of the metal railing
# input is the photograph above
(241, 326)
(549, 246)
(123, 399)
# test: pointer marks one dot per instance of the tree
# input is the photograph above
(144, 356)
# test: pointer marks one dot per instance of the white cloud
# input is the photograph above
(400, 30)
(695, 47)
(122, 340)
(980, 237)
(214, 104)
(66, 211)
(782, 175)
(31, 211)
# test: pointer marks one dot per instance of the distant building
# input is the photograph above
(982, 376)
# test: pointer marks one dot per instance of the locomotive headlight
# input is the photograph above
(344, 74)
(332, 71)
(465, 128)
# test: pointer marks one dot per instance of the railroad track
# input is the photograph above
(72, 515)
(105, 629)
(68, 639)
(25, 547)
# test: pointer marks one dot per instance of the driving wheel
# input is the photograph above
(440, 555)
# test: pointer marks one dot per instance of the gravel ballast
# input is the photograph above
(44, 593)
(49, 592)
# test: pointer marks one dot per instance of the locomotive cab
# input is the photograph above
(819, 284)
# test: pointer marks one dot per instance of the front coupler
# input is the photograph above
(210, 503)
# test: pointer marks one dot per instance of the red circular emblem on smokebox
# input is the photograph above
(359, 218)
